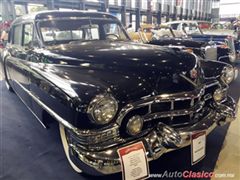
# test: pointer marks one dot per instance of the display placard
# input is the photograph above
(134, 162)
(198, 146)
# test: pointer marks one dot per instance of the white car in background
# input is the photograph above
(191, 27)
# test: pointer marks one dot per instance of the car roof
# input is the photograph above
(60, 14)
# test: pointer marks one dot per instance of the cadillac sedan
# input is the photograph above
(81, 70)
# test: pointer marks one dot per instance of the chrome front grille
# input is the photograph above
(173, 109)
(173, 112)
(177, 109)
(211, 53)
(174, 105)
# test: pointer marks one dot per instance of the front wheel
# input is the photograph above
(66, 148)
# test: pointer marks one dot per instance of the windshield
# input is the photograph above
(163, 33)
(191, 28)
(179, 34)
(73, 30)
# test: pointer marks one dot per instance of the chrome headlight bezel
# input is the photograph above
(99, 105)
(228, 74)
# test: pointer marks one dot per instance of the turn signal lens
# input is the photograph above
(219, 95)
(134, 125)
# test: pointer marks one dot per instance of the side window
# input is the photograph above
(115, 30)
(174, 26)
(27, 34)
(17, 35)
(10, 36)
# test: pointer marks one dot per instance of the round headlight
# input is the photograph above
(103, 108)
(134, 125)
(228, 74)
(218, 95)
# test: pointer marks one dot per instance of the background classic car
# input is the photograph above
(192, 29)
(106, 92)
(165, 36)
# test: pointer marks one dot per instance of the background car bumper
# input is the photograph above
(159, 141)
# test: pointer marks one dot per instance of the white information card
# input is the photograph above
(134, 162)
(198, 146)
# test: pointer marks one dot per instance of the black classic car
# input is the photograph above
(107, 92)
(192, 30)
(165, 36)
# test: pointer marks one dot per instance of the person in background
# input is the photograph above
(4, 34)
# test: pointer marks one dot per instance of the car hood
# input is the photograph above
(127, 70)
(178, 42)
(220, 32)
(209, 37)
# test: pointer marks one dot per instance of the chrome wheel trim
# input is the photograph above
(66, 148)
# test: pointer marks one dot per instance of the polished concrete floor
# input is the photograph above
(29, 152)
(228, 162)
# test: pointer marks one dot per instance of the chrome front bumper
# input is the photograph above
(159, 141)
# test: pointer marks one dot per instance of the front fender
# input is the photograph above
(212, 69)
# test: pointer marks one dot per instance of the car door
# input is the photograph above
(17, 60)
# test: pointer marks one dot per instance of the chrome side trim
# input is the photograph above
(28, 106)
(50, 111)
